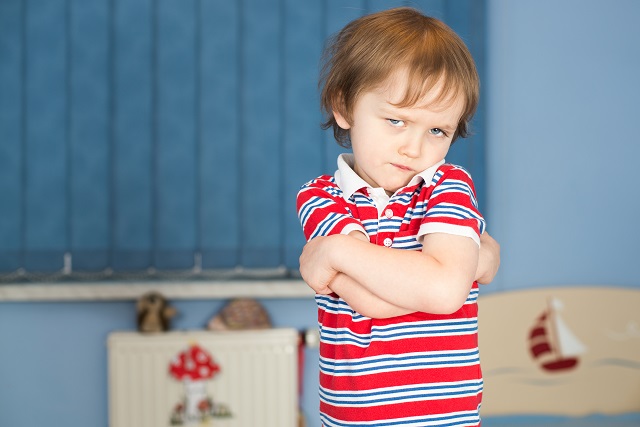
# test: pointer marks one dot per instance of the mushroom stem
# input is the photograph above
(196, 392)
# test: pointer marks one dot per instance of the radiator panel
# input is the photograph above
(257, 381)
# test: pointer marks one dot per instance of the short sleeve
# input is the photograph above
(322, 210)
(452, 207)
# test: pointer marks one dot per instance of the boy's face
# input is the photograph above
(392, 144)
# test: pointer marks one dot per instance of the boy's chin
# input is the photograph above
(390, 190)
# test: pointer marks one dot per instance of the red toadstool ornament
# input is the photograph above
(194, 366)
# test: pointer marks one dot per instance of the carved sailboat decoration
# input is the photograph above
(552, 343)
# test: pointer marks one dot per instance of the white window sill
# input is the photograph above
(131, 290)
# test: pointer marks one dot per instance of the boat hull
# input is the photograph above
(560, 364)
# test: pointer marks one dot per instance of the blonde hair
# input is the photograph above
(369, 49)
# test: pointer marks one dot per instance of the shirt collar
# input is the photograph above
(349, 181)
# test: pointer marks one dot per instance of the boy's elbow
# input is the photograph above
(451, 305)
(446, 299)
(447, 306)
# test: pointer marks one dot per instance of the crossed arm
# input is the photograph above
(379, 282)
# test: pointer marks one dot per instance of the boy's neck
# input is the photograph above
(350, 182)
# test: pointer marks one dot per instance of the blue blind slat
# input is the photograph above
(261, 138)
(11, 105)
(338, 14)
(176, 137)
(139, 133)
(132, 184)
(89, 134)
(46, 189)
(220, 133)
(303, 139)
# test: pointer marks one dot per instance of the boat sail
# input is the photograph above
(551, 341)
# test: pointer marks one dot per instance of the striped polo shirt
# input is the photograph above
(418, 369)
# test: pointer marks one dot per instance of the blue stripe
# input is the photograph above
(390, 337)
(343, 341)
(455, 188)
(408, 247)
(310, 206)
(473, 352)
(393, 399)
(449, 207)
(381, 369)
(410, 239)
(406, 389)
(426, 324)
(397, 399)
(326, 305)
(327, 225)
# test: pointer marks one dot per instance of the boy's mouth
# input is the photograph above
(402, 167)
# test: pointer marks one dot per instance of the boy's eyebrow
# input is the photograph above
(390, 107)
(397, 112)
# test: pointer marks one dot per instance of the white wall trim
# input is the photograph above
(119, 290)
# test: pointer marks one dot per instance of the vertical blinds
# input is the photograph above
(165, 134)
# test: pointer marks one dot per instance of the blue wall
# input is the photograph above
(562, 141)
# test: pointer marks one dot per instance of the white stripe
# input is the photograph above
(338, 306)
(458, 230)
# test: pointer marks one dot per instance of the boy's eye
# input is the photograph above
(437, 132)
(396, 123)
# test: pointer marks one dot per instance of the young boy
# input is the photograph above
(398, 327)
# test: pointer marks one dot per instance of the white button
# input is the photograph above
(388, 213)
(387, 242)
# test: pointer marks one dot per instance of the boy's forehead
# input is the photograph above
(395, 92)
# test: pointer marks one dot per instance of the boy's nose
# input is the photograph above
(411, 146)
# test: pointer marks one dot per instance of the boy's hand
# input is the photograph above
(315, 266)
(489, 259)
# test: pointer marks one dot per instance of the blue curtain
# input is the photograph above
(139, 134)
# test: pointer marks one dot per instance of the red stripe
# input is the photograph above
(541, 348)
(539, 331)
(415, 345)
(402, 410)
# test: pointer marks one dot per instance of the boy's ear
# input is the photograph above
(337, 109)
(340, 119)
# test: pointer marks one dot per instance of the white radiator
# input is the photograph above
(165, 379)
